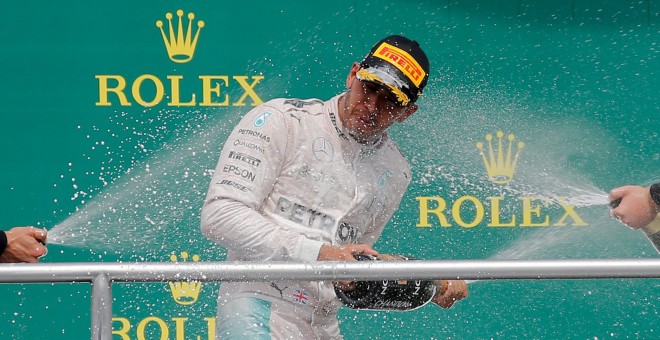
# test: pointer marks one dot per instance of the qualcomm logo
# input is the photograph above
(180, 43)
(185, 292)
(500, 166)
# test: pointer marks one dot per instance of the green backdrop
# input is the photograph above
(109, 144)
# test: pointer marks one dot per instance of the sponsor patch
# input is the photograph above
(238, 171)
(323, 150)
(303, 215)
(261, 119)
(347, 233)
(235, 185)
(253, 133)
(249, 145)
(245, 158)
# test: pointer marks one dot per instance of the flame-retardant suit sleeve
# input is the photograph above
(250, 163)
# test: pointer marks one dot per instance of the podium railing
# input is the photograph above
(102, 275)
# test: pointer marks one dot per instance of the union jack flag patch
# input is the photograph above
(300, 296)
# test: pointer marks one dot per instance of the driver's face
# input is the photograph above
(370, 109)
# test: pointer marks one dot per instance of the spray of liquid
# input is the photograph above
(563, 156)
(155, 202)
(162, 194)
(606, 237)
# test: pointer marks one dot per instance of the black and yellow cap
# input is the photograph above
(398, 64)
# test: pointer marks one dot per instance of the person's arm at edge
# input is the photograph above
(24, 244)
(638, 205)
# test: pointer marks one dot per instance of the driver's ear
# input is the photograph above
(351, 74)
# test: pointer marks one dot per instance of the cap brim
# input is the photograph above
(385, 79)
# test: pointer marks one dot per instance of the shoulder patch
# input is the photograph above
(261, 119)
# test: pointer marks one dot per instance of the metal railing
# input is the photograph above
(102, 275)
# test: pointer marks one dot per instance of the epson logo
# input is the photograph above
(244, 158)
(239, 172)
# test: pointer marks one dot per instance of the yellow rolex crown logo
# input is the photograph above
(180, 45)
(500, 166)
(187, 292)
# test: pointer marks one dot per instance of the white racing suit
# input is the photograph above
(290, 179)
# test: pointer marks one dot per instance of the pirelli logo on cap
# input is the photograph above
(402, 60)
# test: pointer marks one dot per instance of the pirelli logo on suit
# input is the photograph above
(245, 158)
